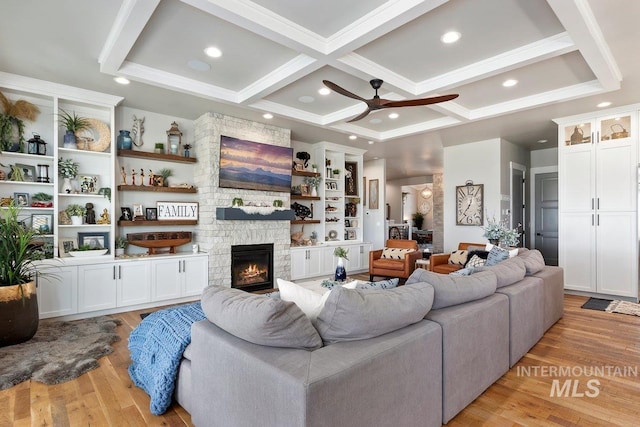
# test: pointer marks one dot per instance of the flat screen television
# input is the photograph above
(254, 166)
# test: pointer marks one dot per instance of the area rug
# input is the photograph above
(60, 351)
(624, 307)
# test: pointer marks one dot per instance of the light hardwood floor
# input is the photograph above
(583, 338)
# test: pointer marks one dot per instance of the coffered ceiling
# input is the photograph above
(566, 55)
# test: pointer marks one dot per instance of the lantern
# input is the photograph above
(37, 146)
(174, 138)
(43, 173)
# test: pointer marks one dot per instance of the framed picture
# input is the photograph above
(347, 223)
(43, 224)
(126, 214)
(137, 211)
(88, 184)
(94, 240)
(351, 234)
(28, 172)
(351, 178)
(65, 245)
(470, 204)
(21, 199)
(304, 190)
(373, 194)
(151, 214)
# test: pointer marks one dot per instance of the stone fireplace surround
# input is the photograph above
(216, 236)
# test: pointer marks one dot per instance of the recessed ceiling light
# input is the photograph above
(370, 142)
(509, 83)
(375, 121)
(376, 158)
(198, 65)
(450, 37)
(604, 104)
(121, 80)
(213, 52)
(542, 141)
(324, 91)
(267, 116)
(394, 115)
(306, 99)
(352, 137)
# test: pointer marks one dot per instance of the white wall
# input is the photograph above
(374, 219)
(546, 157)
(480, 163)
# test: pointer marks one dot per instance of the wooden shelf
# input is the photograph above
(300, 197)
(304, 173)
(144, 223)
(305, 221)
(156, 189)
(156, 156)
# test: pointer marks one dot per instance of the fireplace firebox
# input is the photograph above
(252, 267)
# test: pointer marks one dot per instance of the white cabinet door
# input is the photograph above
(577, 192)
(298, 263)
(577, 251)
(58, 291)
(133, 283)
(616, 177)
(166, 279)
(364, 258)
(354, 262)
(96, 287)
(195, 272)
(314, 262)
(617, 263)
(329, 261)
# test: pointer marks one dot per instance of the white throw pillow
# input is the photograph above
(310, 302)
(395, 253)
(512, 252)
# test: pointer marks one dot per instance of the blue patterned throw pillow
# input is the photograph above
(382, 284)
(496, 255)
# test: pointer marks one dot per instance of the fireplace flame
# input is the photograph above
(253, 273)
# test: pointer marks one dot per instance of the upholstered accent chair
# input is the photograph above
(397, 259)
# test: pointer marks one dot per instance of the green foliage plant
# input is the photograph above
(341, 252)
(73, 122)
(17, 251)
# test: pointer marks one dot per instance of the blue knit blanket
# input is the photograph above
(156, 347)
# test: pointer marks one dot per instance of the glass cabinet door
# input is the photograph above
(576, 134)
(617, 127)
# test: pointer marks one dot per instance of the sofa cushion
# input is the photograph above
(533, 261)
(310, 302)
(258, 319)
(475, 261)
(452, 289)
(507, 272)
(356, 314)
(458, 257)
(395, 253)
(496, 255)
(381, 284)
(389, 264)
(512, 251)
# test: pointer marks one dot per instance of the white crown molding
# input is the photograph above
(289, 112)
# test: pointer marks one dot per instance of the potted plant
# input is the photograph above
(314, 167)
(313, 182)
(75, 212)
(187, 147)
(67, 169)
(72, 123)
(121, 245)
(11, 119)
(165, 173)
(418, 220)
(18, 299)
(336, 173)
(342, 254)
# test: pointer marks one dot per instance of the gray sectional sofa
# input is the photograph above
(260, 361)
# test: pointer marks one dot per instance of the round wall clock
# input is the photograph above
(470, 204)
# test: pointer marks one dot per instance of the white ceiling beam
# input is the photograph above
(127, 27)
(416, 128)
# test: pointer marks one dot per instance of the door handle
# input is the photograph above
(184, 266)
(179, 267)
(114, 272)
(119, 272)
(538, 234)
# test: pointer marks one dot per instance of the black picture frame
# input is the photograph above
(21, 199)
(351, 178)
(151, 214)
(127, 215)
(470, 205)
(93, 238)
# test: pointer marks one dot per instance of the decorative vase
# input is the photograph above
(76, 220)
(119, 251)
(66, 186)
(314, 192)
(186, 153)
(18, 313)
(14, 147)
(124, 140)
(494, 242)
(69, 140)
(341, 273)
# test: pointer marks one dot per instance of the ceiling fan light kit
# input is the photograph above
(377, 103)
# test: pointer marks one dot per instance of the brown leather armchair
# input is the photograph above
(439, 263)
(401, 268)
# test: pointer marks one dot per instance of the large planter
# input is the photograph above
(18, 313)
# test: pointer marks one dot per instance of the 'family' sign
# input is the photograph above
(177, 210)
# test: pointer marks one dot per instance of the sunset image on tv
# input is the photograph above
(254, 166)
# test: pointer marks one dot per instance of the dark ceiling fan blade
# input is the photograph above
(334, 87)
(421, 101)
(361, 116)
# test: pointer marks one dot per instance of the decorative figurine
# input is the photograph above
(124, 176)
(138, 129)
(133, 177)
(151, 175)
(90, 216)
(142, 177)
(104, 217)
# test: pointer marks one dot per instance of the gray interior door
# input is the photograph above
(546, 216)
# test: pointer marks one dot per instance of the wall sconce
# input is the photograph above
(174, 138)
(37, 146)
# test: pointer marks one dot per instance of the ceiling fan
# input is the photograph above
(377, 103)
